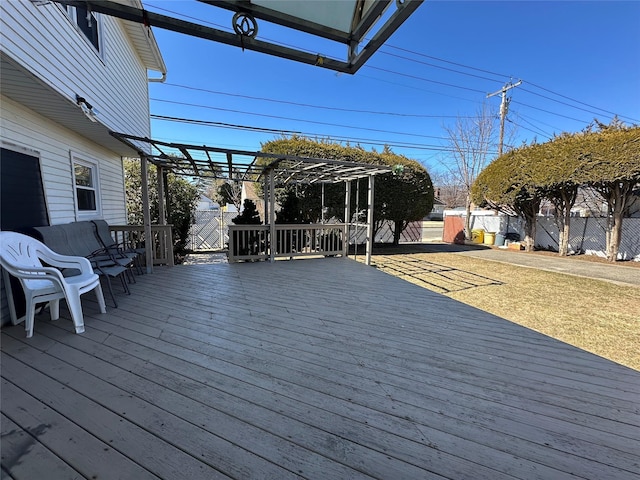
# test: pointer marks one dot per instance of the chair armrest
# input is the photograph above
(38, 273)
(66, 261)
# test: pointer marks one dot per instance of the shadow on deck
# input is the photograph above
(321, 369)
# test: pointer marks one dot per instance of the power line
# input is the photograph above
(569, 105)
(234, 126)
(582, 103)
(438, 66)
(503, 75)
(539, 121)
(413, 87)
(537, 131)
(278, 117)
(447, 61)
(284, 132)
(308, 105)
(553, 113)
(423, 79)
(339, 138)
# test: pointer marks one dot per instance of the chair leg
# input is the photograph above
(100, 298)
(130, 276)
(75, 307)
(138, 264)
(124, 283)
(115, 304)
(54, 309)
(29, 317)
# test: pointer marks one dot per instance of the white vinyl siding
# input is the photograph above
(23, 127)
(44, 40)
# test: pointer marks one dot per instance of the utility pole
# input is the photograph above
(504, 108)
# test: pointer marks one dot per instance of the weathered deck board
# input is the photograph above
(42, 463)
(80, 449)
(320, 369)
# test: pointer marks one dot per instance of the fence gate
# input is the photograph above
(210, 230)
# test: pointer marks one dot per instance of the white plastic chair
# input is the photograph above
(23, 257)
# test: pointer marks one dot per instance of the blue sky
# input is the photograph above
(577, 60)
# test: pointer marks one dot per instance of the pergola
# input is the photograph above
(239, 165)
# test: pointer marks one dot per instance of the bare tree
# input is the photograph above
(448, 189)
(471, 141)
(225, 192)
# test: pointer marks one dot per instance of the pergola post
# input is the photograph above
(265, 195)
(162, 220)
(347, 219)
(370, 194)
(272, 216)
(165, 242)
(146, 215)
(322, 219)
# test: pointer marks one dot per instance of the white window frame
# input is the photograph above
(72, 14)
(79, 159)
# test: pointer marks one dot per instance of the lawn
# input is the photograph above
(597, 316)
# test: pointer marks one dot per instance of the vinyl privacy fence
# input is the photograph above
(587, 234)
(210, 232)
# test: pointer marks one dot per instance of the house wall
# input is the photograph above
(45, 41)
(23, 128)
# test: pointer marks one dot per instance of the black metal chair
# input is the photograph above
(103, 233)
(67, 240)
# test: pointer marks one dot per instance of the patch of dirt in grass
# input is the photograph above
(594, 315)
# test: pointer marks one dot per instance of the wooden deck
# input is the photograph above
(320, 369)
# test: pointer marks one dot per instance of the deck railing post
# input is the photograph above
(169, 245)
(370, 196)
(347, 219)
(272, 217)
(146, 214)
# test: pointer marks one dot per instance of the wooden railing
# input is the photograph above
(132, 236)
(253, 242)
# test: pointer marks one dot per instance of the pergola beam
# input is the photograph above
(288, 168)
(351, 66)
(188, 156)
(212, 165)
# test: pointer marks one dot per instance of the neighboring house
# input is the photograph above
(205, 203)
(590, 204)
(437, 212)
(68, 77)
